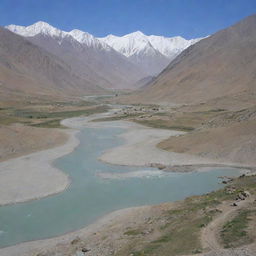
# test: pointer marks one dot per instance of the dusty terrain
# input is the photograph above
(234, 143)
(18, 139)
(140, 149)
(204, 133)
(32, 176)
(23, 124)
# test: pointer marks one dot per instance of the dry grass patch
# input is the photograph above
(234, 233)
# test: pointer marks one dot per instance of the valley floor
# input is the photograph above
(193, 226)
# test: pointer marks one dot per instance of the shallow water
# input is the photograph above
(98, 188)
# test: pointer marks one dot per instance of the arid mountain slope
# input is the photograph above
(29, 69)
(223, 64)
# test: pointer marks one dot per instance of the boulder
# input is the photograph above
(245, 193)
(84, 250)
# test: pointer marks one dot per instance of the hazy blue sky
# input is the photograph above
(188, 18)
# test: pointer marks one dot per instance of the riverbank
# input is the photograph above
(26, 177)
(90, 234)
(33, 176)
(26, 127)
(182, 228)
(140, 149)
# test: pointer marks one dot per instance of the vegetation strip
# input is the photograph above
(234, 232)
(179, 229)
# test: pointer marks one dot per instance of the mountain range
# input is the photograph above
(152, 53)
(174, 69)
(111, 62)
(91, 59)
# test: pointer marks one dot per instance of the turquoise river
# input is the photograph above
(91, 196)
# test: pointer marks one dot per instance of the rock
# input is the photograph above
(230, 190)
(245, 193)
(241, 196)
(40, 254)
(157, 165)
(76, 240)
(147, 232)
(84, 250)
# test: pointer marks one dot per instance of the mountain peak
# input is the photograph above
(136, 34)
(42, 24)
(88, 39)
(80, 35)
(39, 27)
(79, 32)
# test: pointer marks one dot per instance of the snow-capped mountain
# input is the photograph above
(89, 40)
(109, 62)
(138, 49)
(87, 56)
(43, 28)
(171, 46)
(130, 44)
(143, 49)
(37, 28)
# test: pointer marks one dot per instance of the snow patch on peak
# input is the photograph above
(136, 34)
(170, 46)
(39, 27)
(16, 29)
(82, 37)
(88, 39)
(80, 34)
(45, 29)
(131, 44)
